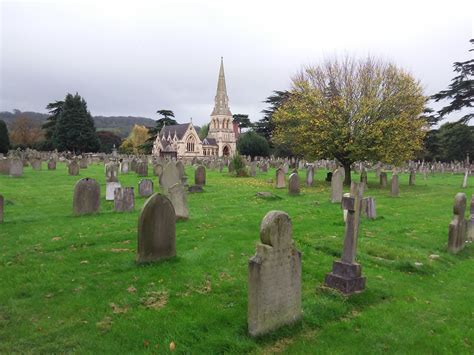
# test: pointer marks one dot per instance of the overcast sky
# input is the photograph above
(135, 57)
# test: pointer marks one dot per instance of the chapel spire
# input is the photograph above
(221, 101)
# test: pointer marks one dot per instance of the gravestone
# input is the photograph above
(280, 179)
(158, 170)
(36, 164)
(2, 203)
(142, 168)
(253, 169)
(363, 177)
(169, 177)
(111, 173)
(156, 230)
(412, 177)
(110, 190)
(200, 176)
(395, 190)
(274, 282)
(383, 179)
(370, 208)
(464, 182)
(83, 163)
(294, 184)
(470, 232)
(309, 175)
(124, 166)
(145, 188)
(73, 168)
(51, 164)
(124, 199)
(286, 168)
(336, 186)
(458, 226)
(178, 199)
(16, 167)
(86, 197)
(346, 275)
(181, 171)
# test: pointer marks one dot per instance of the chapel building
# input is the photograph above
(182, 140)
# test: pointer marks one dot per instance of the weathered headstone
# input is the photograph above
(181, 171)
(142, 168)
(111, 173)
(124, 199)
(145, 188)
(2, 203)
(158, 170)
(274, 284)
(86, 197)
(83, 163)
(370, 208)
(470, 232)
(124, 166)
(464, 182)
(395, 190)
(169, 177)
(346, 274)
(253, 169)
(336, 186)
(156, 230)
(310, 175)
(280, 179)
(383, 179)
(73, 168)
(294, 184)
(110, 190)
(412, 177)
(458, 226)
(16, 167)
(36, 164)
(178, 198)
(200, 176)
(51, 164)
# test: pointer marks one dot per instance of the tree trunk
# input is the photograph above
(347, 170)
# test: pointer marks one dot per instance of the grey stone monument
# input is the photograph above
(178, 198)
(111, 173)
(200, 176)
(336, 186)
(280, 179)
(294, 184)
(346, 275)
(274, 284)
(110, 190)
(86, 197)
(310, 175)
(124, 199)
(145, 188)
(395, 190)
(458, 226)
(16, 167)
(156, 230)
(383, 179)
(73, 168)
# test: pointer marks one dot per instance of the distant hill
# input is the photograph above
(120, 125)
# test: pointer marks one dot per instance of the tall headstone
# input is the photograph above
(178, 198)
(274, 283)
(464, 182)
(395, 190)
(124, 199)
(2, 203)
(73, 168)
(145, 188)
(16, 167)
(310, 175)
(346, 275)
(383, 179)
(280, 179)
(294, 184)
(412, 177)
(253, 169)
(458, 226)
(169, 177)
(200, 176)
(111, 173)
(124, 166)
(156, 230)
(142, 168)
(181, 171)
(86, 197)
(336, 186)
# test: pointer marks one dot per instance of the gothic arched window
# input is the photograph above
(190, 144)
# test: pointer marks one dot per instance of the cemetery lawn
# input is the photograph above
(71, 284)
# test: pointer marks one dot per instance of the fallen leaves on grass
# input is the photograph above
(56, 239)
(84, 262)
(205, 288)
(132, 289)
(119, 250)
(155, 299)
(117, 309)
(172, 346)
(105, 324)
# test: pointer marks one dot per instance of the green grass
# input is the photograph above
(70, 284)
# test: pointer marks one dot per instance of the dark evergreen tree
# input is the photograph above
(55, 109)
(167, 119)
(251, 143)
(4, 138)
(108, 140)
(75, 129)
(456, 141)
(460, 91)
(265, 126)
(242, 120)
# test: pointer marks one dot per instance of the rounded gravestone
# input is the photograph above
(156, 230)
(294, 184)
(200, 176)
(86, 197)
(145, 188)
(73, 168)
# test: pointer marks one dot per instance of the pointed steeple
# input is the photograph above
(221, 101)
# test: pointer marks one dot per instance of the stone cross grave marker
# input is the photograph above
(274, 283)
(346, 274)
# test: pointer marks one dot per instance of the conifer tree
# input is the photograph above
(4, 138)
